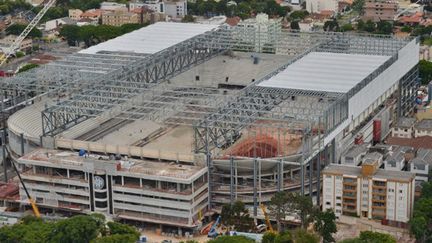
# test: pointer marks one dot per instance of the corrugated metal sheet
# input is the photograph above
(151, 39)
(324, 71)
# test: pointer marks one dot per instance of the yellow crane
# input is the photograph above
(267, 219)
(32, 202)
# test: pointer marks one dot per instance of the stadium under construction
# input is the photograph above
(167, 123)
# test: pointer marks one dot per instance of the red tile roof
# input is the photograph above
(420, 142)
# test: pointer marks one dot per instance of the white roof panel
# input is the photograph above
(325, 71)
(151, 39)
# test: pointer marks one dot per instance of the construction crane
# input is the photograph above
(32, 202)
(267, 219)
(17, 42)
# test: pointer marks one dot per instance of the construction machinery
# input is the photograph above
(213, 232)
(16, 44)
(32, 202)
(267, 219)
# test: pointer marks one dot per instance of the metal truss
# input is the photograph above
(408, 86)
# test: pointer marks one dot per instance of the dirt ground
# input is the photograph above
(152, 237)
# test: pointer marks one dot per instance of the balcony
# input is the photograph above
(349, 195)
(379, 192)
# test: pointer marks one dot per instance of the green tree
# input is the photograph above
(406, 29)
(16, 29)
(231, 239)
(299, 15)
(188, 19)
(269, 237)
(302, 236)
(116, 239)
(27, 67)
(325, 225)
(79, 229)
(358, 6)
(237, 215)
(371, 237)
(279, 207)
(347, 27)
(425, 71)
(369, 26)
(295, 25)
(71, 33)
(360, 25)
(284, 237)
(384, 27)
(122, 229)
(304, 206)
(331, 25)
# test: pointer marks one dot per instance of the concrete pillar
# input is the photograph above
(178, 187)
(67, 172)
(311, 177)
(279, 175)
(318, 178)
(291, 174)
(122, 180)
(22, 143)
(231, 180)
(255, 201)
(159, 184)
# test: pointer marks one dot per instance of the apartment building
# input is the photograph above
(153, 192)
(369, 192)
(316, 6)
(176, 9)
(377, 10)
(404, 128)
(75, 14)
(120, 17)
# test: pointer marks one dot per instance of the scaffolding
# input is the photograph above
(227, 125)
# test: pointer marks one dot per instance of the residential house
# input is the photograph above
(75, 14)
(404, 128)
(423, 128)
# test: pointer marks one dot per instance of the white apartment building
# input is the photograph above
(404, 128)
(316, 6)
(261, 32)
(369, 192)
(175, 9)
(153, 192)
(154, 5)
(423, 128)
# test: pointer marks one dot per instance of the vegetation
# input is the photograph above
(231, 239)
(81, 228)
(358, 6)
(16, 29)
(371, 237)
(382, 27)
(27, 67)
(421, 223)
(237, 216)
(244, 8)
(302, 236)
(325, 225)
(406, 29)
(92, 35)
(295, 25)
(188, 19)
(298, 15)
(10, 6)
(425, 71)
(347, 27)
(284, 202)
(296, 236)
(331, 25)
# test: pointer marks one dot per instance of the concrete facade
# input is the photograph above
(145, 191)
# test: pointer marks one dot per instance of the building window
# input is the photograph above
(338, 198)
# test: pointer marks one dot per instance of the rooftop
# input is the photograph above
(424, 124)
(370, 158)
(356, 150)
(406, 122)
(380, 173)
(160, 169)
(151, 39)
(324, 71)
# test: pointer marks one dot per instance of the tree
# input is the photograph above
(302, 236)
(237, 215)
(425, 71)
(16, 29)
(27, 67)
(384, 27)
(304, 206)
(347, 27)
(116, 239)
(231, 239)
(79, 228)
(406, 29)
(325, 225)
(358, 5)
(188, 19)
(371, 237)
(331, 25)
(269, 237)
(284, 237)
(122, 229)
(299, 15)
(295, 25)
(279, 208)
(360, 25)
(369, 26)
(71, 34)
